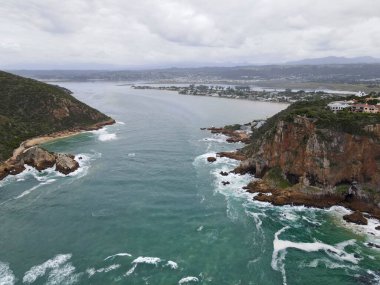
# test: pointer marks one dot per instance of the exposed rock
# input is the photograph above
(211, 159)
(66, 163)
(356, 217)
(233, 155)
(225, 183)
(377, 228)
(234, 135)
(223, 173)
(37, 157)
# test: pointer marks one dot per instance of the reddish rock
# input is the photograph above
(37, 157)
(356, 217)
(233, 155)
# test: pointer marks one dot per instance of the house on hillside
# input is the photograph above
(364, 108)
(338, 106)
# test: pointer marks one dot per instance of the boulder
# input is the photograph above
(65, 163)
(225, 183)
(223, 173)
(377, 228)
(356, 217)
(37, 157)
(211, 159)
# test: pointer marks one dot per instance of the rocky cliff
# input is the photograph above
(318, 161)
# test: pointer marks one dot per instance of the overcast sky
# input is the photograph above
(159, 33)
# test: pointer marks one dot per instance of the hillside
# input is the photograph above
(30, 108)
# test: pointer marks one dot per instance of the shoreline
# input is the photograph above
(11, 167)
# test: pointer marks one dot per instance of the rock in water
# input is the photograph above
(211, 159)
(37, 157)
(66, 163)
(356, 217)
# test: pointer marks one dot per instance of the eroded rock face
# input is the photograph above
(66, 163)
(37, 157)
(356, 217)
(316, 157)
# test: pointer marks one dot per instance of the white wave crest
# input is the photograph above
(188, 279)
(143, 260)
(104, 135)
(118, 254)
(6, 275)
(39, 270)
(172, 264)
(63, 275)
(280, 246)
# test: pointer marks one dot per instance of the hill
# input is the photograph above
(336, 60)
(29, 108)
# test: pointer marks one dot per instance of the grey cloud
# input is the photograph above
(175, 32)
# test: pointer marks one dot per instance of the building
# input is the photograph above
(361, 94)
(364, 108)
(338, 106)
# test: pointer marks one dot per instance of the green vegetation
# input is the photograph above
(30, 108)
(276, 178)
(235, 127)
(345, 121)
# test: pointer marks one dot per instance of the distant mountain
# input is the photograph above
(335, 60)
(30, 108)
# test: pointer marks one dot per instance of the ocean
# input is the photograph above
(147, 208)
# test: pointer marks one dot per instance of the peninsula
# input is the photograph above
(33, 112)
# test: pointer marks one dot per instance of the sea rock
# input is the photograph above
(356, 217)
(225, 183)
(65, 163)
(233, 155)
(37, 157)
(223, 173)
(377, 228)
(211, 159)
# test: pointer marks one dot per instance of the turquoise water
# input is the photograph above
(146, 207)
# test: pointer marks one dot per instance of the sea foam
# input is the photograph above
(6, 275)
(188, 279)
(40, 270)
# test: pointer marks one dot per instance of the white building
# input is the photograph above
(361, 94)
(338, 106)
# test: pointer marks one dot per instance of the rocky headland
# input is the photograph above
(316, 159)
(33, 113)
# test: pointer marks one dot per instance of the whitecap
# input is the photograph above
(27, 192)
(63, 275)
(6, 275)
(143, 260)
(39, 270)
(132, 154)
(112, 267)
(118, 254)
(104, 135)
(280, 246)
(120, 123)
(172, 264)
(188, 279)
(90, 272)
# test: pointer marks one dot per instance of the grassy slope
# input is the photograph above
(30, 108)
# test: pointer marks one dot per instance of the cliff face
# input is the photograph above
(317, 157)
(29, 108)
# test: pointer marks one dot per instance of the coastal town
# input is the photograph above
(245, 93)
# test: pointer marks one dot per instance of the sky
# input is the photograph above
(98, 34)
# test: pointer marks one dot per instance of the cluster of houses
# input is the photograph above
(354, 106)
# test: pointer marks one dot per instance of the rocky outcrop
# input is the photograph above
(234, 136)
(37, 157)
(66, 163)
(40, 159)
(356, 217)
(211, 159)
